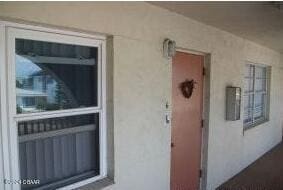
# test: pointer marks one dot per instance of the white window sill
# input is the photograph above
(98, 185)
(253, 125)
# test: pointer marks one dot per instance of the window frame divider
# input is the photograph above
(57, 113)
(253, 93)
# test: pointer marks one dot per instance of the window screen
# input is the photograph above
(59, 151)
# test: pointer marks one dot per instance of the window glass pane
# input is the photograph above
(28, 102)
(259, 105)
(55, 76)
(259, 99)
(248, 98)
(260, 85)
(248, 116)
(59, 151)
(260, 72)
(248, 85)
(248, 101)
(258, 113)
(249, 78)
(249, 71)
(248, 107)
(255, 98)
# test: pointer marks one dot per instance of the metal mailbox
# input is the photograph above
(233, 103)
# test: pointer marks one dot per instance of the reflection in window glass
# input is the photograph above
(53, 76)
(59, 151)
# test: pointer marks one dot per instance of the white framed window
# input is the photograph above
(256, 94)
(56, 108)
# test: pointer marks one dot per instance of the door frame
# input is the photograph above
(205, 114)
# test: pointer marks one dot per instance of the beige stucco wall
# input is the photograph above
(142, 85)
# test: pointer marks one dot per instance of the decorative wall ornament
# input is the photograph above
(187, 87)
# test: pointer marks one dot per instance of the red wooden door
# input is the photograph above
(186, 122)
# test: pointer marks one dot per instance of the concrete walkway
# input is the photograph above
(264, 174)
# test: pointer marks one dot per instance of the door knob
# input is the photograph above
(172, 145)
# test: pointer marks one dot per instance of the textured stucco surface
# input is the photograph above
(257, 21)
(142, 85)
